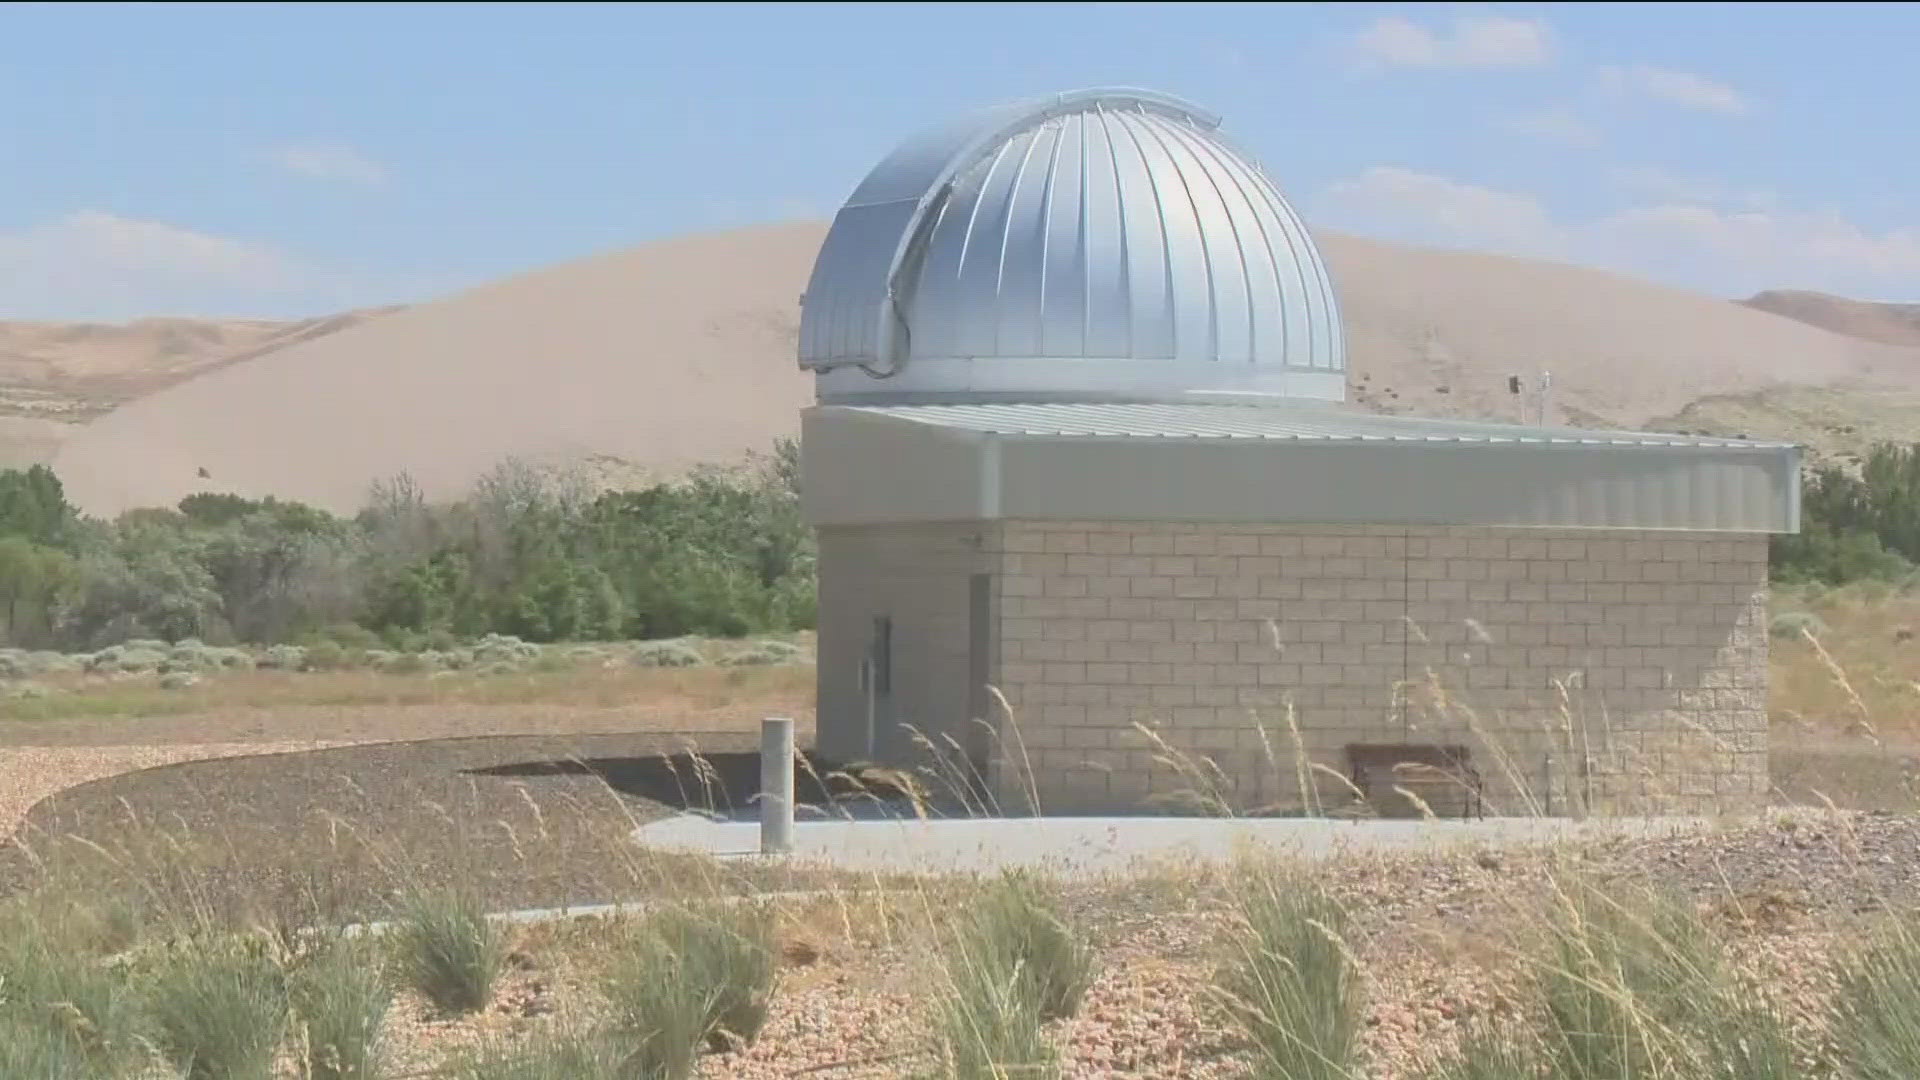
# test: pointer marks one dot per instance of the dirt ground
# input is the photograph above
(301, 810)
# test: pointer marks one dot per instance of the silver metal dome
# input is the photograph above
(1096, 245)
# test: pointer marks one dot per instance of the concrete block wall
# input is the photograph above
(1587, 672)
(919, 577)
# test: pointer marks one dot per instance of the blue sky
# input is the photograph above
(286, 160)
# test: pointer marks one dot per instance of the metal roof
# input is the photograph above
(1102, 241)
(1295, 462)
(1303, 422)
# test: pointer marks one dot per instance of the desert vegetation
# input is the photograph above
(1858, 524)
(1571, 962)
(527, 554)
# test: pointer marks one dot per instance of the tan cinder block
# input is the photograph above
(1101, 624)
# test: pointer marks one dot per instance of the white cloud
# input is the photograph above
(1557, 126)
(1663, 186)
(339, 164)
(1427, 209)
(1728, 250)
(95, 264)
(1478, 41)
(1790, 248)
(1682, 88)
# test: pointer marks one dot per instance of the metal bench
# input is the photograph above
(1438, 774)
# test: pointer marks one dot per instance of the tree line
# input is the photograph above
(527, 552)
(1856, 525)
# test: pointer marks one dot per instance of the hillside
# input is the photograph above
(1893, 324)
(55, 376)
(677, 352)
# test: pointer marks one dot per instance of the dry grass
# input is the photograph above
(1844, 697)
(690, 691)
(1871, 635)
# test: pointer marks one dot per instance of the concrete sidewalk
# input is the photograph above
(1097, 845)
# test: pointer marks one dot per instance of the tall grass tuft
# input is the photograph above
(217, 1009)
(1019, 929)
(1877, 1007)
(550, 1053)
(1630, 980)
(445, 948)
(683, 981)
(989, 1024)
(1491, 1051)
(1013, 961)
(29, 1051)
(1748, 1042)
(1288, 980)
(340, 999)
(55, 997)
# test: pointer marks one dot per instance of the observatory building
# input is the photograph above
(1098, 530)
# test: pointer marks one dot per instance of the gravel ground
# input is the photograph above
(1433, 934)
(525, 820)
(31, 773)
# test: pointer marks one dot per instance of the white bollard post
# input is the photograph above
(776, 785)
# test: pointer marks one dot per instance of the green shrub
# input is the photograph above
(1287, 980)
(683, 980)
(670, 653)
(722, 552)
(445, 948)
(282, 658)
(328, 656)
(141, 660)
(1793, 625)
(765, 653)
(217, 1010)
(410, 663)
(351, 637)
(504, 649)
(341, 1002)
(42, 662)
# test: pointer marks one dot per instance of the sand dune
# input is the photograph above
(681, 351)
(1443, 329)
(55, 376)
(1893, 324)
(668, 355)
(146, 350)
